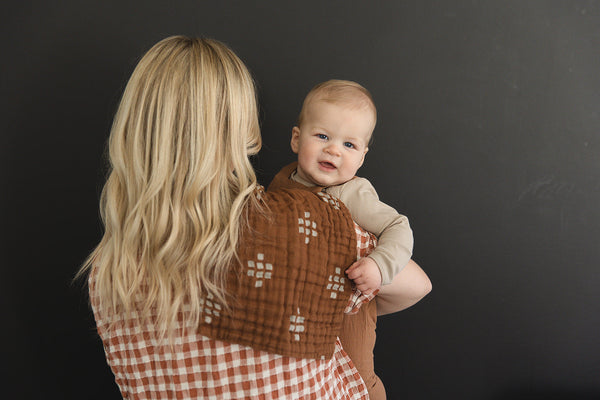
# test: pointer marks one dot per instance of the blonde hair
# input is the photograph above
(342, 92)
(180, 181)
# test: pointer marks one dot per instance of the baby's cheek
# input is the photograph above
(303, 160)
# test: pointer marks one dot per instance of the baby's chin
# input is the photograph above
(317, 182)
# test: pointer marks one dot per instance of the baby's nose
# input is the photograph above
(332, 149)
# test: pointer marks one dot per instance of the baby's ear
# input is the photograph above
(295, 139)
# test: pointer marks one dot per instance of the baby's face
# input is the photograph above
(332, 142)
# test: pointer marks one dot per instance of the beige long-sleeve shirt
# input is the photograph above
(395, 238)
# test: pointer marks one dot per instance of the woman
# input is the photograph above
(186, 300)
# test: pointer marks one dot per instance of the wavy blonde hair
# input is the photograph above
(180, 180)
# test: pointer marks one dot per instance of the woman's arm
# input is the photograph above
(408, 287)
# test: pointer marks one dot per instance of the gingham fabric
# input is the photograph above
(202, 368)
(366, 242)
(198, 367)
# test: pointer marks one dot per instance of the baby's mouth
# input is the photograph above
(327, 165)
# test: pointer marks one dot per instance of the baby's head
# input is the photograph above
(333, 132)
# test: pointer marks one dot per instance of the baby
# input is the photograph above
(331, 139)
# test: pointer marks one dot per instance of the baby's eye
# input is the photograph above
(322, 136)
(349, 145)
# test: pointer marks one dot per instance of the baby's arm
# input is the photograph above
(395, 239)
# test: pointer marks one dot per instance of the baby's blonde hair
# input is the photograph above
(179, 183)
(342, 92)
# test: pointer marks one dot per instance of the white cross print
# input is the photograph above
(259, 270)
(336, 283)
(209, 308)
(297, 325)
(307, 227)
(327, 198)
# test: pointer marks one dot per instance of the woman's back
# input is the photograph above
(278, 337)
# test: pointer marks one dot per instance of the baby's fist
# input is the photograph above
(365, 274)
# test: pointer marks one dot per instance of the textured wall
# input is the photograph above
(488, 139)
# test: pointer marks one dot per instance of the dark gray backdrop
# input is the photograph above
(488, 139)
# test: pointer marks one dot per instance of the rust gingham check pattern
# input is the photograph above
(366, 242)
(198, 367)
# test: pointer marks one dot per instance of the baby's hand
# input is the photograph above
(365, 274)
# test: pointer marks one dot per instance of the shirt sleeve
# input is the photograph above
(395, 238)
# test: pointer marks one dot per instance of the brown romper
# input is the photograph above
(358, 330)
